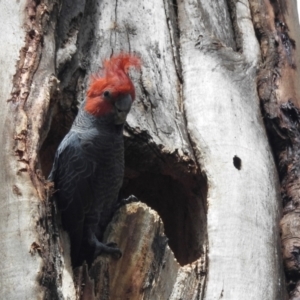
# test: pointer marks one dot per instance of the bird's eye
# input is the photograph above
(106, 94)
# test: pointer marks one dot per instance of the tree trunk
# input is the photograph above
(198, 153)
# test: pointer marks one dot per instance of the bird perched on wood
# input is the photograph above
(89, 163)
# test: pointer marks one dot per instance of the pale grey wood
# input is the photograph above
(224, 121)
(19, 269)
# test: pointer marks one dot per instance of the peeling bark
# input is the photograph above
(278, 87)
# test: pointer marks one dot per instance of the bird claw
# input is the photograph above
(109, 248)
(112, 244)
(118, 254)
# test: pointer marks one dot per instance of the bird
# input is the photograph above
(88, 166)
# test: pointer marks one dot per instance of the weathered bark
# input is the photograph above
(148, 268)
(196, 147)
(28, 263)
(277, 28)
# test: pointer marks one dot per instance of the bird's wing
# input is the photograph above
(71, 173)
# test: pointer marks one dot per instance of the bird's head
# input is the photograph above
(112, 92)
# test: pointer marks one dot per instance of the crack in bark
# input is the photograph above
(29, 54)
(231, 4)
(116, 25)
(172, 23)
(152, 106)
(199, 170)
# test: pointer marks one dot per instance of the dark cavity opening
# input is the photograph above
(237, 162)
(64, 112)
(173, 187)
(60, 126)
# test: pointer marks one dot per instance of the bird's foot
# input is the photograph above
(109, 248)
(112, 244)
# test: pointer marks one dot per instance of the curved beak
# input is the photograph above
(122, 108)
